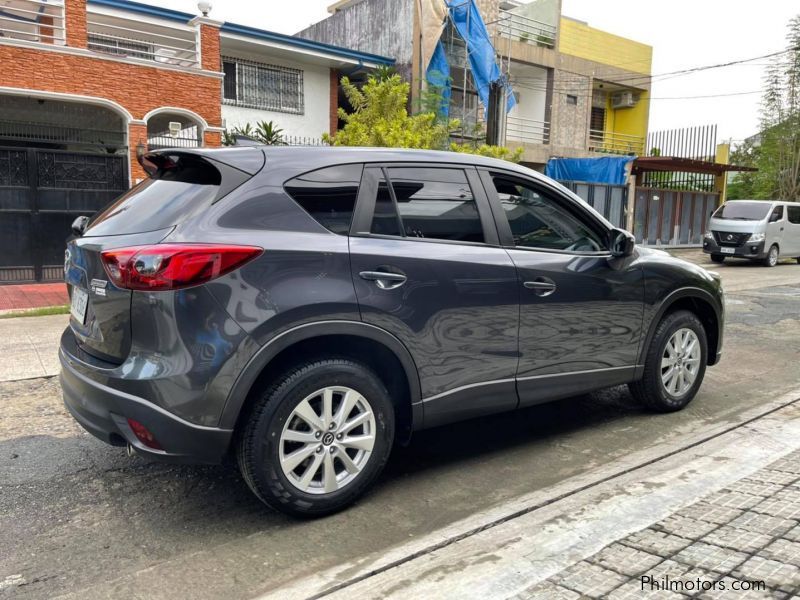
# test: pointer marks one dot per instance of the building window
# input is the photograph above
(120, 47)
(572, 99)
(257, 85)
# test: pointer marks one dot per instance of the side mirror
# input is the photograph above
(79, 225)
(621, 243)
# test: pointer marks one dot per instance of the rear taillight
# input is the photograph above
(173, 266)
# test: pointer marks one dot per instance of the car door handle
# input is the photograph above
(383, 279)
(541, 286)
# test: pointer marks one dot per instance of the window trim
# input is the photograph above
(368, 193)
(504, 228)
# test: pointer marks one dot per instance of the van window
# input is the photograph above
(777, 214)
(743, 211)
(793, 214)
(328, 195)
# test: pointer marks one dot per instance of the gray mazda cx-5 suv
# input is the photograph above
(305, 308)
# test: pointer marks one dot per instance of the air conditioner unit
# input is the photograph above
(623, 100)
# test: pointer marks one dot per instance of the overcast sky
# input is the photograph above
(683, 33)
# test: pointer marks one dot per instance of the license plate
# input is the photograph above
(77, 307)
(728, 250)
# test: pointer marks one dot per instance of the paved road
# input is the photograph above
(80, 518)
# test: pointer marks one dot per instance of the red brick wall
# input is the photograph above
(334, 101)
(76, 23)
(209, 47)
(139, 89)
(136, 134)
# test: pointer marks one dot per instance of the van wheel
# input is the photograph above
(317, 438)
(675, 363)
(772, 256)
(717, 258)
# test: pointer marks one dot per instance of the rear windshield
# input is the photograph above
(182, 185)
(743, 211)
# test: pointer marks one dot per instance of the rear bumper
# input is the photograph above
(753, 250)
(103, 412)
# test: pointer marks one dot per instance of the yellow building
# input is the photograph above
(620, 71)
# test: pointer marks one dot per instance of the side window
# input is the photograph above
(538, 221)
(436, 203)
(384, 220)
(777, 214)
(793, 214)
(328, 195)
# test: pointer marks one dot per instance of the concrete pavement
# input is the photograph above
(719, 516)
(29, 346)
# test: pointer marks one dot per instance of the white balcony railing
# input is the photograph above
(609, 142)
(530, 131)
(130, 39)
(32, 21)
(524, 29)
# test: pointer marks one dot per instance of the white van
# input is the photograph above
(756, 229)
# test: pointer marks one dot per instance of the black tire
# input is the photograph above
(259, 440)
(772, 256)
(717, 258)
(798, 260)
(650, 390)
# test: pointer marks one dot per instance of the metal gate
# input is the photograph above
(664, 217)
(609, 200)
(41, 193)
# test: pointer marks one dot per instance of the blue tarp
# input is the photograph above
(467, 20)
(438, 75)
(608, 169)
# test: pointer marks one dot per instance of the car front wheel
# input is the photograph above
(317, 438)
(772, 256)
(675, 363)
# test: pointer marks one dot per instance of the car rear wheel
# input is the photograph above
(675, 363)
(717, 258)
(772, 256)
(317, 438)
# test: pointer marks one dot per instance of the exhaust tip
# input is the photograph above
(130, 450)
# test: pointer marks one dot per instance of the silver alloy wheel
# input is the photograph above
(772, 257)
(680, 362)
(327, 440)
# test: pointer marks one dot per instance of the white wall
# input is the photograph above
(530, 82)
(316, 87)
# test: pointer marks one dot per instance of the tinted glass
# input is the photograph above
(384, 220)
(184, 185)
(329, 195)
(436, 204)
(743, 211)
(777, 213)
(794, 214)
(538, 221)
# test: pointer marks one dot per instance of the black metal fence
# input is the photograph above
(696, 143)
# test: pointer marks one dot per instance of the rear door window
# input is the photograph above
(793, 214)
(428, 203)
(183, 185)
(328, 195)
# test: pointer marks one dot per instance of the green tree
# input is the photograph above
(379, 117)
(778, 154)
